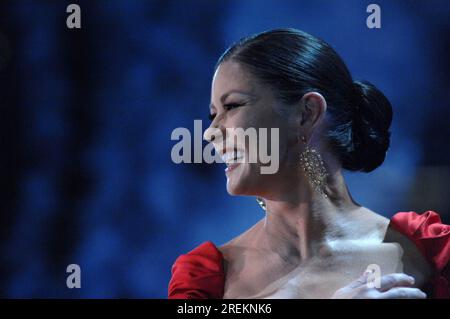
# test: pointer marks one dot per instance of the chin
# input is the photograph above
(241, 181)
(237, 190)
(235, 187)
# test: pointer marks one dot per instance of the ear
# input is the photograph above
(313, 107)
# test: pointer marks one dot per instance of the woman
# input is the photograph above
(315, 241)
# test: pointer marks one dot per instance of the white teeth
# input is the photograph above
(232, 157)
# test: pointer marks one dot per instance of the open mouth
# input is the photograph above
(232, 159)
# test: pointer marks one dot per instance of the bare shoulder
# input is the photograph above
(391, 235)
(369, 222)
(414, 262)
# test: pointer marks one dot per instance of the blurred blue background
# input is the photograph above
(87, 116)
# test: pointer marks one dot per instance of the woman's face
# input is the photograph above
(239, 101)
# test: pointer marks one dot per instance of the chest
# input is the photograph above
(318, 277)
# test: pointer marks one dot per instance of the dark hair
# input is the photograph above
(294, 63)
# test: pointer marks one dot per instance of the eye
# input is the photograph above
(227, 107)
(231, 106)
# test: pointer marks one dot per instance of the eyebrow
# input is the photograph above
(224, 96)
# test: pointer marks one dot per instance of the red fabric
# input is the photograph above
(199, 274)
(432, 238)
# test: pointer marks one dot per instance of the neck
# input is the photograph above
(299, 223)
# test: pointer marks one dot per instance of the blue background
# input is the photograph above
(87, 116)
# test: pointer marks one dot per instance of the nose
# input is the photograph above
(212, 134)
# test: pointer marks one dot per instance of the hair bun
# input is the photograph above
(370, 128)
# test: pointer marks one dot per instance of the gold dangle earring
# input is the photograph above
(312, 164)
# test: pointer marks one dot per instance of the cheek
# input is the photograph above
(264, 125)
(244, 129)
(278, 140)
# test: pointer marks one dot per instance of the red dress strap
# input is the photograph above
(198, 274)
(432, 238)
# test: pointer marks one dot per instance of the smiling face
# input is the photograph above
(238, 100)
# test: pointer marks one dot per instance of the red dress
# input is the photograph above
(199, 274)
